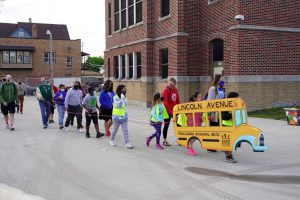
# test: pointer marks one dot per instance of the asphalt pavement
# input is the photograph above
(53, 164)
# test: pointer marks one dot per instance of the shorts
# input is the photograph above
(10, 108)
(89, 117)
(105, 114)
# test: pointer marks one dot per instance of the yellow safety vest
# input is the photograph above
(165, 114)
(120, 112)
(179, 120)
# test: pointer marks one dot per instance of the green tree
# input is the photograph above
(93, 63)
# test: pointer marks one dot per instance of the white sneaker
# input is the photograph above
(66, 129)
(80, 130)
(129, 146)
(112, 143)
(7, 126)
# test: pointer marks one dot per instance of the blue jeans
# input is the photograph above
(45, 111)
(61, 114)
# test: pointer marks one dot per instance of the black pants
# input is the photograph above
(166, 127)
(72, 112)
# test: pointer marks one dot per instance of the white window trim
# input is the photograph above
(165, 17)
(134, 58)
(212, 1)
(120, 67)
(126, 66)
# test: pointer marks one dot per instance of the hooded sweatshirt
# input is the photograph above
(171, 99)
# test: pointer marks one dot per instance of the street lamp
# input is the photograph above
(51, 56)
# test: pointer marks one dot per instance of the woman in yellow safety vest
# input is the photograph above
(158, 114)
(120, 115)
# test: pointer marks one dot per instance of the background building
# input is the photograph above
(25, 52)
(254, 44)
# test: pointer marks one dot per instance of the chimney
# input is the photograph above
(34, 31)
(30, 20)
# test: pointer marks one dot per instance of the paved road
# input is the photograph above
(56, 165)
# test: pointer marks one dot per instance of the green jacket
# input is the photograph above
(8, 93)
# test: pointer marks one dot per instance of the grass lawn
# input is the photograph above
(272, 113)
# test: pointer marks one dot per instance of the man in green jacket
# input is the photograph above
(8, 98)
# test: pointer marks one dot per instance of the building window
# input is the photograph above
(47, 57)
(20, 57)
(123, 14)
(109, 19)
(21, 34)
(165, 8)
(12, 57)
(5, 57)
(116, 66)
(117, 15)
(69, 62)
(130, 62)
(130, 12)
(139, 65)
(108, 67)
(139, 11)
(123, 58)
(26, 57)
(164, 58)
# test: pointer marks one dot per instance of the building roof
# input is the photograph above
(59, 31)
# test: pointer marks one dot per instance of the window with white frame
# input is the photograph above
(123, 62)
(20, 57)
(109, 19)
(164, 60)
(5, 56)
(130, 63)
(46, 57)
(12, 57)
(21, 34)
(133, 66)
(69, 62)
(116, 66)
(26, 57)
(138, 65)
(128, 13)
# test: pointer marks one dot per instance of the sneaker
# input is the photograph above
(99, 135)
(191, 152)
(112, 143)
(230, 159)
(44, 127)
(80, 130)
(148, 140)
(167, 144)
(66, 129)
(61, 127)
(12, 128)
(159, 147)
(87, 135)
(129, 146)
(7, 126)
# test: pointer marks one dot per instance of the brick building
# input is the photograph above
(254, 44)
(25, 52)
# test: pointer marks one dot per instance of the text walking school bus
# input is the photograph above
(217, 124)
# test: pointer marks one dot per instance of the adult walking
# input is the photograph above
(44, 95)
(73, 105)
(21, 94)
(171, 98)
(217, 91)
(8, 98)
(59, 99)
(106, 105)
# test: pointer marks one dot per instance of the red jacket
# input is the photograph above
(171, 99)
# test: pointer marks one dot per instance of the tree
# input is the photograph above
(93, 63)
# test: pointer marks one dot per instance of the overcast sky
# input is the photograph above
(85, 19)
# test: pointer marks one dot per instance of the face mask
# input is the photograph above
(110, 88)
(124, 93)
(4, 80)
(62, 90)
(76, 87)
(44, 82)
(222, 83)
(20, 83)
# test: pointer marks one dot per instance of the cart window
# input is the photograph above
(244, 116)
(226, 118)
(179, 120)
(213, 118)
(188, 120)
(200, 119)
(237, 118)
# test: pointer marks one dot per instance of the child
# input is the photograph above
(120, 115)
(90, 105)
(158, 114)
(59, 99)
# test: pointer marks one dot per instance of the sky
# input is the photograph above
(85, 19)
